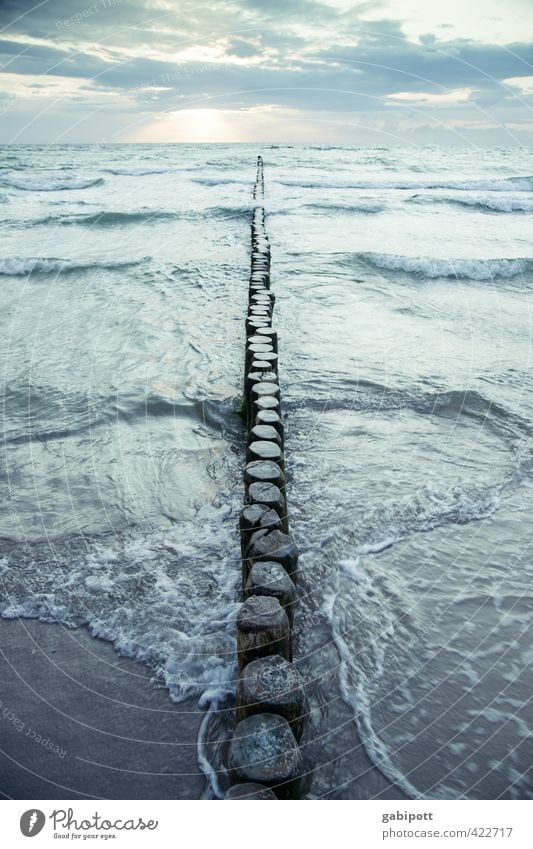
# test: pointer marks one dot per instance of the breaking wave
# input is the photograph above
(517, 184)
(19, 266)
(367, 205)
(51, 183)
(109, 218)
(137, 172)
(493, 204)
(460, 269)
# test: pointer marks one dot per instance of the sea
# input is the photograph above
(404, 280)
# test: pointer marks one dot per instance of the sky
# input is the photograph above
(287, 71)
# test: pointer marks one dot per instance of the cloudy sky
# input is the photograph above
(334, 71)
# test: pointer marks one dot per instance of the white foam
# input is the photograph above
(202, 753)
(368, 205)
(19, 266)
(350, 568)
(471, 269)
(138, 172)
(517, 184)
(51, 183)
(364, 607)
(99, 583)
(495, 203)
(380, 545)
(220, 181)
(358, 674)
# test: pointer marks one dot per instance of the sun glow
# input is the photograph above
(188, 125)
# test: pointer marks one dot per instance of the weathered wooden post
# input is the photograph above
(271, 685)
(264, 750)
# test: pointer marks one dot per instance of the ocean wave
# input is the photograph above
(517, 184)
(227, 211)
(139, 406)
(19, 266)
(367, 205)
(427, 510)
(460, 269)
(493, 204)
(51, 183)
(359, 679)
(45, 413)
(137, 172)
(364, 205)
(368, 609)
(473, 405)
(220, 181)
(226, 164)
(108, 218)
(126, 589)
(345, 394)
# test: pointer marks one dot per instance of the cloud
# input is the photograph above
(395, 59)
(237, 56)
(460, 95)
(524, 84)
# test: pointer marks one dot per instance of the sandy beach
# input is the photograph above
(77, 721)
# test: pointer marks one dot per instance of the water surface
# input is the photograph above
(403, 281)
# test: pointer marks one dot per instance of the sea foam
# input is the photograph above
(430, 267)
(493, 203)
(517, 184)
(19, 266)
(51, 183)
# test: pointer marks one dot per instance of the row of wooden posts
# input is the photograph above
(264, 759)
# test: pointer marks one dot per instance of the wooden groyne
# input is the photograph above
(264, 760)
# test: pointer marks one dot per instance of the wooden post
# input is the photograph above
(264, 750)
(276, 546)
(270, 578)
(250, 790)
(264, 755)
(272, 685)
(262, 629)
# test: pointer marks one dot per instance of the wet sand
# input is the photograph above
(78, 721)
